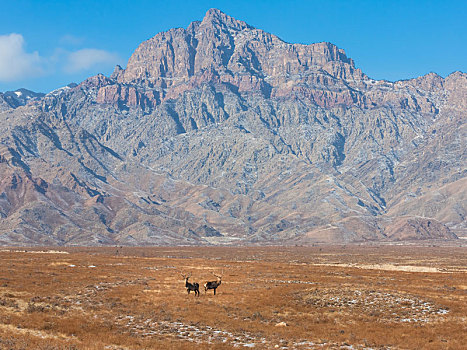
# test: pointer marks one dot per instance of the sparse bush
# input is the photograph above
(36, 308)
(8, 303)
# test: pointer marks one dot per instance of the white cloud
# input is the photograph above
(71, 40)
(86, 59)
(15, 62)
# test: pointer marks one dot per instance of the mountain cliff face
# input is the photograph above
(223, 133)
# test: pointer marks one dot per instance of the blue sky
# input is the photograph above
(47, 44)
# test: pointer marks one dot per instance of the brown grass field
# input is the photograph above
(336, 297)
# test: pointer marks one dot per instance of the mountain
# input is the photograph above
(221, 133)
(20, 97)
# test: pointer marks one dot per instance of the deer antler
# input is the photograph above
(185, 276)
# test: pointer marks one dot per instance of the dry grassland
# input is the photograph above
(270, 298)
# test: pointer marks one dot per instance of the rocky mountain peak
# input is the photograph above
(217, 18)
(223, 50)
(117, 72)
(96, 81)
(17, 98)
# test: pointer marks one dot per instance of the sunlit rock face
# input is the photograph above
(221, 133)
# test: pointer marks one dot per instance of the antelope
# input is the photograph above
(191, 286)
(213, 284)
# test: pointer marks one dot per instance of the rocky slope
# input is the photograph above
(223, 133)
